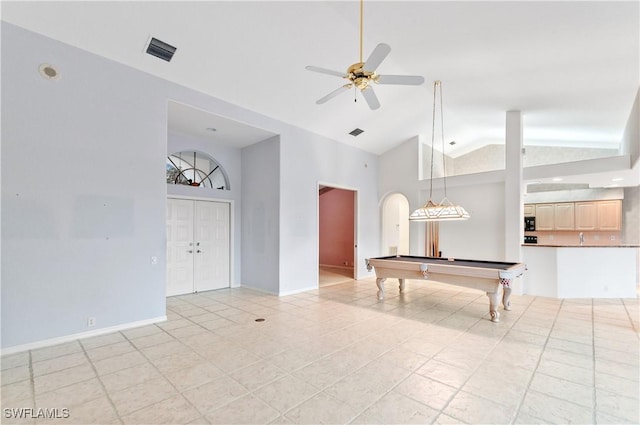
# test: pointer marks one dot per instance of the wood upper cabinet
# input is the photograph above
(586, 215)
(610, 215)
(563, 216)
(529, 210)
(545, 217)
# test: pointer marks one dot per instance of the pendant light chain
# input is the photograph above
(433, 139)
(444, 165)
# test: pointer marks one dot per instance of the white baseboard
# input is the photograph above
(336, 267)
(73, 337)
(297, 291)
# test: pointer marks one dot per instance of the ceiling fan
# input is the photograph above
(362, 74)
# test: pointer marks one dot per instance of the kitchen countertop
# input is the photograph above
(581, 246)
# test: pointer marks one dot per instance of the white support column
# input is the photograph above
(513, 191)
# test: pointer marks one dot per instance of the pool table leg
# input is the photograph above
(401, 284)
(506, 295)
(493, 306)
(380, 283)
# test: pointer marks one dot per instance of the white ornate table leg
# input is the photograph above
(380, 283)
(506, 293)
(493, 306)
(401, 284)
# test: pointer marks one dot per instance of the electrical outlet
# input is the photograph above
(613, 237)
(91, 321)
(154, 260)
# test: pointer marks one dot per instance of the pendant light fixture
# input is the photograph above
(445, 210)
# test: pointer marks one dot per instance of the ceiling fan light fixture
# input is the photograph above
(445, 210)
(362, 74)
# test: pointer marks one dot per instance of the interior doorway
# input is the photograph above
(337, 251)
(395, 225)
(198, 246)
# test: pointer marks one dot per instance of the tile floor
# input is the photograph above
(338, 355)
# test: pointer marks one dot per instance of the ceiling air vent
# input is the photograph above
(160, 49)
(356, 132)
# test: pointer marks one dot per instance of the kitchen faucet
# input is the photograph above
(581, 236)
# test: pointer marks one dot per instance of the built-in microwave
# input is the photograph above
(529, 224)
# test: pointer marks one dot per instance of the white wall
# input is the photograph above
(631, 138)
(306, 160)
(400, 171)
(83, 192)
(260, 215)
(482, 195)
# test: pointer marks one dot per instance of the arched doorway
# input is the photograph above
(395, 225)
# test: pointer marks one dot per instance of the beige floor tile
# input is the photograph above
(71, 395)
(55, 351)
(453, 376)
(125, 378)
(177, 361)
(337, 354)
(14, 360)
(322, 409)
(246, 410)
(215, 394)
(62, 378)
(59, 363)
(294, 359)
(193, 376)
(257, 375)
(562, 389)
(427, 391)
(18, 394)
(142, 395)
(15, 374)
(476, 410)
(397, 408)
(97, 411)
(102, 340)
(106, 351)
(141, 331)
(552, 410)
(152, 340)
(618, 405)
(174, 410)
(404, 358)
(286, 393)
(119, 362)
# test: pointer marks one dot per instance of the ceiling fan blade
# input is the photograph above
(325, 71)
(370, 97)
(333, 94)
(403, 80)
(377, 56)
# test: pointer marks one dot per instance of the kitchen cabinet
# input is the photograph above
(563, 217)
(582, 216)
(610, 215)
(586, 215)
(545, 217)
(529, 210)
(555, 216)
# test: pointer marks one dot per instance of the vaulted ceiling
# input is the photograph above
(571, 67)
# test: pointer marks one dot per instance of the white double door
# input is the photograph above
(198, 249)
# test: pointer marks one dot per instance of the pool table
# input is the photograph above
(487, 276)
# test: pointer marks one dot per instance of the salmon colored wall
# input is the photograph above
(337, 227)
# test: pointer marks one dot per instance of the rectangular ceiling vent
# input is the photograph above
(160, 49)
(356, 132)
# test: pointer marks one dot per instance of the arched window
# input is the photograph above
(197, 169)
